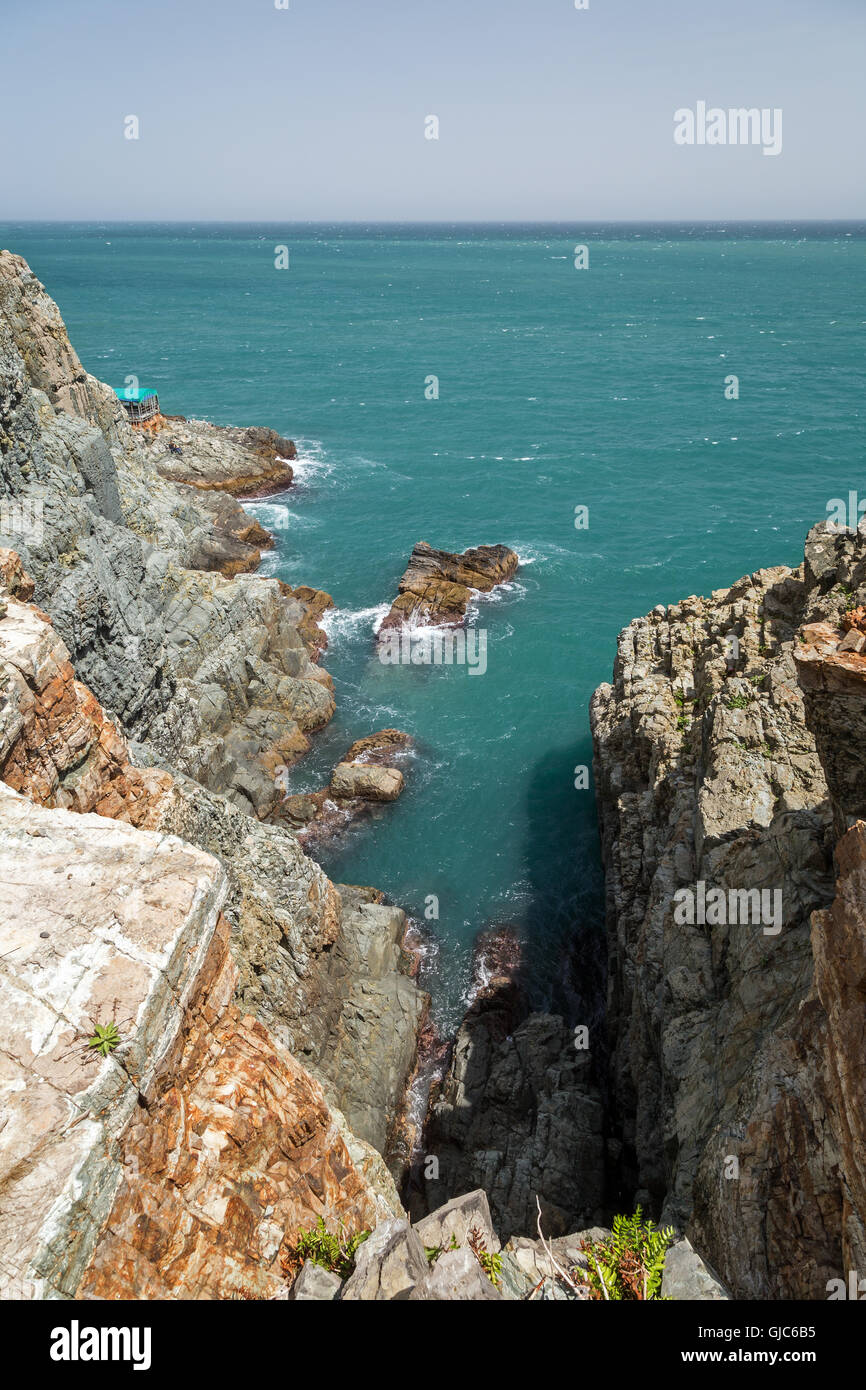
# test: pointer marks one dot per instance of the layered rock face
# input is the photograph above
(167, 698)
(178, 1164)
(712, 773)
(214, 674)
(437, 586)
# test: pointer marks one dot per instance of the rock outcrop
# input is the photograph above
(213, 674)
(367, 776)
(437, 587)
(518, 1113)
(252, 462)
(166, 697)
(325, 969)
(713, 772)
(177, 1164)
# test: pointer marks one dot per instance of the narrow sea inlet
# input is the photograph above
(558, 388)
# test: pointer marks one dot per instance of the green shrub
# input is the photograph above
(336, 1253)
(630, 1263)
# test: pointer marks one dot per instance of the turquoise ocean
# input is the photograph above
(558, 388)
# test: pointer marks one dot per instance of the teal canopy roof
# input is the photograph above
(141, 393)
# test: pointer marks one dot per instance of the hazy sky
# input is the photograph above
(247, 111)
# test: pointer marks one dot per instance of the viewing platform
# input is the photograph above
(140, 403)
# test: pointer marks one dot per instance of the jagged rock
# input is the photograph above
(379, 748)
(456, 1220)
(364, 1033)
(56, 743)
(213, 674)
(707, 770)
(528, 1270)
(236, 541)
(687, 1277)
(13, 577)
(517, 1114)
(315, 602)
(388, 1266)
(326, 971)
(437, 585)
(52, 365)
(316, 1284)
(456, 1274)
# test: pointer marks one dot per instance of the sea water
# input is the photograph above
(556, 389)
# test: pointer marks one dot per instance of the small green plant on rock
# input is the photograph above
(629, 1264)
(320, 1247)
(106, 1037)
(738, 701)
(490, 1263)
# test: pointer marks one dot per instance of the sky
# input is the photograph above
(318, 111)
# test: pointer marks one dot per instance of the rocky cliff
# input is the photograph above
(147, 701)
(728, 757)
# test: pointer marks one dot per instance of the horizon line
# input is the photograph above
(430, 222)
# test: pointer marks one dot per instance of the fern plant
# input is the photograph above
(320, 1247)
(630, 1263)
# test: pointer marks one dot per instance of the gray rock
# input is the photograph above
(316, 1284)
(527, 1266)
(687, 1277)
(388, 1266)
(456, 1275)
(456, 1219)
(719, 1047)
(518, 1114)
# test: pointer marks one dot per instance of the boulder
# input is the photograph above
(687, 1277)
(456, 1219)
(366, 781)
(315, 1284)
(456, 1275)
(388, 1266)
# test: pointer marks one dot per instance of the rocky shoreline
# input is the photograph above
(262, 1026)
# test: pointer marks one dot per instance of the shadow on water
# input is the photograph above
(564, 939)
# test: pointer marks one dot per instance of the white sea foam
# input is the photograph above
(347, 622)
(311, 462)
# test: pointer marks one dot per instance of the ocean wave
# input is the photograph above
(312, 461)
(277, 517)
(347, 622)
